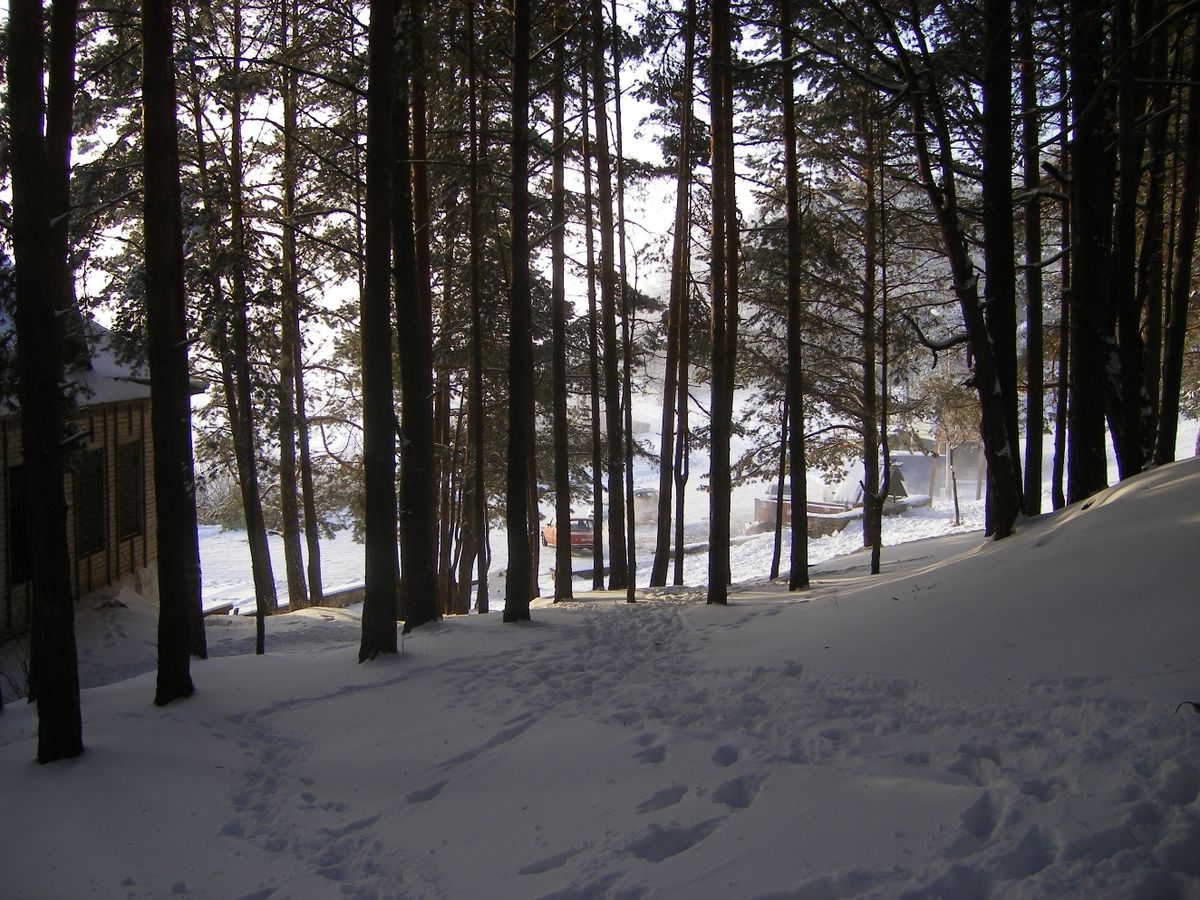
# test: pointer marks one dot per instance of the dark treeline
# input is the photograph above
(393, 239)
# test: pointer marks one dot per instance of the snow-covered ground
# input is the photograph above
(225, 555)
(983, 720)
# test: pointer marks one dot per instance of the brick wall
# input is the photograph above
(118, 430)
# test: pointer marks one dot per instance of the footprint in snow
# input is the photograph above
(978, 822)
(981, 817)
(662, 842)
(725, 755)
(424, 795)
(739, 793)
(551, 862)
(655, 754)
(662, 799)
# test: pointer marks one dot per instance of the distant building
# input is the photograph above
(109, 483)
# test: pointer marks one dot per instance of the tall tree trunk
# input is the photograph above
(289, 331)
(447, 440)
(519, 588)
(999, 252)
(171, 400)
(724, 297)
(798, 577)
(680, 269)
(593, 349)
(478, 483)
(608, 302)
(929, 120)
(375, 318)
(1151, 265)
(222, 338)
(266, 602)
(683, 434)
(312, 525)
(1181, 285)
(869, 415)
(1091, 209)
(780, 483)
(558, 311)
(43, 301)
(1034, 298)
(1129, 389)
(885, 483)
(414, 328)
(626, 322)
(532, 528)
(1062, 392)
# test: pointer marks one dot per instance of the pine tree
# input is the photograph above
(724, 293)
(40, 167)
(519, 588)
(379, 418)
(166, 314)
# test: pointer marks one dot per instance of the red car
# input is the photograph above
(581, 530)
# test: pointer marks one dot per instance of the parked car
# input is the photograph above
(581, 532)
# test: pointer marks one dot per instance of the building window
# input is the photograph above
(18, 527)
(131, 489)
(89, 505)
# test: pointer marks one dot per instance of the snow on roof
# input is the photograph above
(109, 377)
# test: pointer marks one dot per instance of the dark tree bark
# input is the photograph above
(999, 252)
(414, 327)
(1062, 393)
(930, 122)
(798, 464)
(619, 574)
(241, 402)
(1189, 209)
(724, 296)
(885, 483)
(558, 217)
(593, 349)
(1091, 209)
(222, 340)
(869, 416)
(1034, 297)
(1127, 390)
(1151, 265)
(312, 525)
(680, 278)
(289, 331)
(478, 483)
(780, 484)
(39, 162)
(379, 417)
(520, 588)
(179, 599)
(682, 433)
(626, 322)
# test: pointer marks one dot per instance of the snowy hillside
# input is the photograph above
(981, 720)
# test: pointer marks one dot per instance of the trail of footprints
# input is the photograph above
(778, 713)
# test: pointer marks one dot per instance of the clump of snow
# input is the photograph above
(983, 719)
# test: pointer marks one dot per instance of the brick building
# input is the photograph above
(109, 486)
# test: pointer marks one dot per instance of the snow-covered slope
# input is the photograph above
(981, 720)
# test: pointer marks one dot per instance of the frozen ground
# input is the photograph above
(983, 720)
